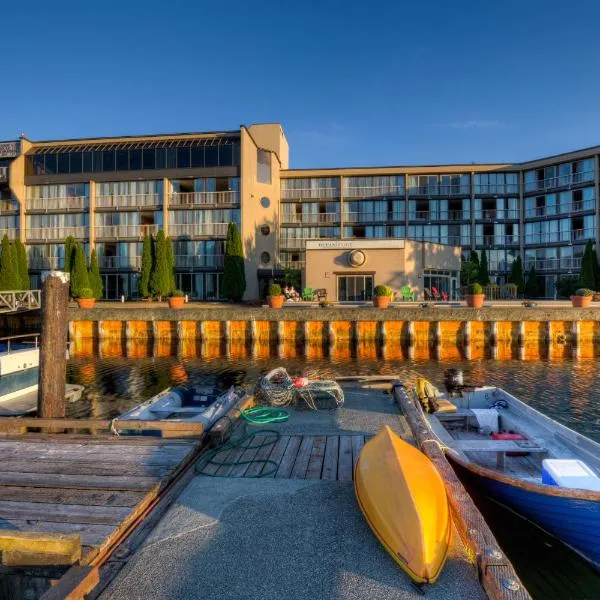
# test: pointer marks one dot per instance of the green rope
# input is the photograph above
(261, 415)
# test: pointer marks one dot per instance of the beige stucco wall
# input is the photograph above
(270, 136)
(16, 178)
(394, 267)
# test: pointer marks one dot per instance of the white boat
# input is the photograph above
(186, 404)
(19, 372)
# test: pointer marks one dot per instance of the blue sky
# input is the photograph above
(353, 83)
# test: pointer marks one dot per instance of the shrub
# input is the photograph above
(79, 274)
(274, 289)
(94, 276)
(162, 275)
(584, 292)
(85, 292)
(234, 277)
(382, 290)
(566, 286)
(178, 294)
(475, 289)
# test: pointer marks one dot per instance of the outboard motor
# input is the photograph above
(454, 381)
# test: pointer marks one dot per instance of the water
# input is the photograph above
(568, 391)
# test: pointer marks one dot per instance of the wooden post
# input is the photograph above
(53, 346)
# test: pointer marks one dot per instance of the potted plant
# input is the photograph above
(325, 303)
(382, 297)
(582, 298)
(276, 298)
(475, 297)
(85, 298)
(176, 299)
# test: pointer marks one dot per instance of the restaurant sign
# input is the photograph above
(9, 149)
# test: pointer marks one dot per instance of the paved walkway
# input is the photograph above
(281, 537)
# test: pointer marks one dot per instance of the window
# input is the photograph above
(265, 202)
(355, 288)
(263, 172)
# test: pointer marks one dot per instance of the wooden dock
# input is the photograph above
(94, 487)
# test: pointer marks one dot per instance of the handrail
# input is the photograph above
(10, 338)
(14, 300)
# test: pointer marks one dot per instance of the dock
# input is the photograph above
(297, 533)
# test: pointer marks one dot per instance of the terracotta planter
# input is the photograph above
(381, 301)
(581, 301)
(176, 301)
(475, 300)
(86, 302)
(276, 301)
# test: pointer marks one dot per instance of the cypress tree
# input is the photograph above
(484, 276)
(94, 277)
(9, 273)
(146, 270)
(234, 277)
(161, 279)
(171, 262)
(70, 244)
(532, 287)
(474, 258)
(79, 272)
(516, 275)
(23, 267)
(587, 276)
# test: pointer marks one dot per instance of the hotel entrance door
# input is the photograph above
(355, 288)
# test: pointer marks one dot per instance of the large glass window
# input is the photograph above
(310, 188)
(355, 288)
(263, 173)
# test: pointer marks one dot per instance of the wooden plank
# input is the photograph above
(276, 455)
(330, 463)
(91, 534)
(16, 446)
(358, 441)
(78, 481)
(74, 584)
(303, 458)
(91, 467)
(77, 513)
(345, 458)
(96, 438)
(39, 548)
(317, 454)
(256, 468)
(289, 457)
(247, 455)
(70, 496)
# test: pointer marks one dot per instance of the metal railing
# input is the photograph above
(559, 181)
(576, 235)
(375, 217)
(310, 194)
(495, 189)
(373, 191)
(59, 203)
(46, 262)
(56, 233)
(198, 229)
(116, 232)
(186, 261)
(491, 214)
(497, 240)
(293, 264)
(10, 233)
(554, 264)
(559, 209)
(13, 300)
(225, 198)
(310, 218)
(32, 339)
(120, 262)
(128, 200)
(439, 190)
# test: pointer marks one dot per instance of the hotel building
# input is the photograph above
(109, 192)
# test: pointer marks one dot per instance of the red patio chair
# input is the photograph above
(436, 294)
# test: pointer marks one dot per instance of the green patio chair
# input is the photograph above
(407, 294)
(308, 294)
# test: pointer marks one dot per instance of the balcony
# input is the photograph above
(191, 199)
(119, 262)
(3, 174)
(554, 264)
(198, 229)
(310, 194)
(128, 201)
(46, 263)
(363, 217)
(553, 237)
(507, 189)
(496, 241)
(59, 204)
(559, 181)
(374, 192)
(186, 261)
(439, 190)
(56, 233)
(293, 264)
(554, 210)
(120, 232)
(310, 218)
(496, 215)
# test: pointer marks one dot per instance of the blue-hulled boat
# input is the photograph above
(506, 448)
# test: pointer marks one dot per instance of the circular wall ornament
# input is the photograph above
(265, 258)
(265, 229)
(357, 258)
(265, 202)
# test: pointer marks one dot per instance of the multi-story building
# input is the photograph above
(110, 192)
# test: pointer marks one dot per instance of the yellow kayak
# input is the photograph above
(403, 498)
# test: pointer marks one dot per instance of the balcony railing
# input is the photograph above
(120, 262)
(187, 199)
(46, 263)
(374, 191)
(310, 194)
(117, 232)
(377, 217)
(439, 190)
(293, 264)
(127, 201)
(185, 261)
(198, 229)
(554, 264)
(559, 181)
(56, 233)
(3, 174)
(493, 189)
(577, 235)
(62, 204)
(497, 240)
(310, 218)
(494, 214)
(559, 209)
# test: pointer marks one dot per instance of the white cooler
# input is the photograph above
(571, 474)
